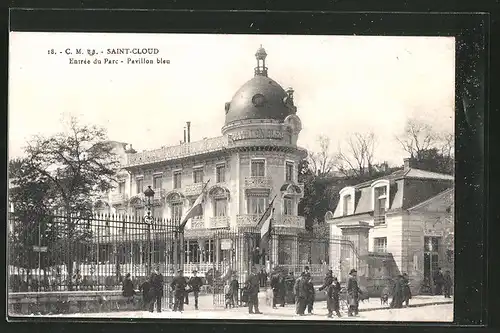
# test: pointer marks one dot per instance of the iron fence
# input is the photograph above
(60, 252)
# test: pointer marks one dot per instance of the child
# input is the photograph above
(332, 299)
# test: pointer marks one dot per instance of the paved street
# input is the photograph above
(369, 311)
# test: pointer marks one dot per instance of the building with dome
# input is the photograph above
(255, 159)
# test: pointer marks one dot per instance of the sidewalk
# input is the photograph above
(369, 310)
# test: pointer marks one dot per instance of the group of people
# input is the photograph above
(401, 292)
(443, 283)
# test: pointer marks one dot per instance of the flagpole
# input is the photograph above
(181, 234)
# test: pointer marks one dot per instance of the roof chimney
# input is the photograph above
(188, 123)
(407, 164)
(184, 134)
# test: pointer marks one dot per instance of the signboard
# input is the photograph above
(257, 134)
(226, 244)
(39, 248)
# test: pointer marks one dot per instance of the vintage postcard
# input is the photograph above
(211, 176)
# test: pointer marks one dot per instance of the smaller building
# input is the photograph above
(401, 223)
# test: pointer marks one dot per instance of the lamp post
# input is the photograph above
(148, 219)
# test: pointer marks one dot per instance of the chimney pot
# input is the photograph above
(407, 163)
(184, 134)
(188, 123)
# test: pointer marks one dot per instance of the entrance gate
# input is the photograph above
(231, 261)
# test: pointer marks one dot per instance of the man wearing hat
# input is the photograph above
(178, 285)
(353, 292)
(156, 281)
(195, 283)
(253, 285)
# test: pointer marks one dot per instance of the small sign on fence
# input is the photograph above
(226, 244)
(39, 248)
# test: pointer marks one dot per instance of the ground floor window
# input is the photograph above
(380, 244)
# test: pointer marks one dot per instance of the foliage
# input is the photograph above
(358, 159)
(433, 160)
(322, 162)
(65, 171)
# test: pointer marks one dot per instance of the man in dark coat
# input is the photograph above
(178, 286)
(234, 287)
(128, 288)
(195, 284)
(397, 293)
(438, 282)
(156, 281)
(327, 281)
(278, 287)
(310, 294)
(332, 297)
(405, 280)
(253, 284)
(447, 284)
(353, 293)
(146, 294)
(289, 285)
(300, 292)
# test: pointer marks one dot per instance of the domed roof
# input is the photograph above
(259, 98)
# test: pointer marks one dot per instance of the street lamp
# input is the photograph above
(148, 219)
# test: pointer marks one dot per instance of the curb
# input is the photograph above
(409, 306)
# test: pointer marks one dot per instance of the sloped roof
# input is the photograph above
(444, 198)
(410, 173)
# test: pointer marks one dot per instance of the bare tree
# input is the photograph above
(323, 161)
(417, 138)
(447, 144)
(357, 159)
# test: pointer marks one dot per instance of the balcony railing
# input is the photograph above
(159, 193)
(198, 223)
(257, 182)
(118, 198)
(219, 222)
(248, 220)
(379, 220)
(291, 221)
(193, 189)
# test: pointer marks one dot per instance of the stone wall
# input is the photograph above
(42, 303)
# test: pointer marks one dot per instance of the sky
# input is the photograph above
(343, 85)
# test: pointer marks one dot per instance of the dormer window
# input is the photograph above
(380, 192)
(346, 201)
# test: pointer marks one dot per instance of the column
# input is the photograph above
(295, 251)
(274, 250)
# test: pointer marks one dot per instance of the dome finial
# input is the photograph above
(261, 68)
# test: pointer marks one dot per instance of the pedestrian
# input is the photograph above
(128, 288)
(310, 294)
(300, 292)
(188, 290)
(438, 282)
(253, 292)
(332, 297)
(195, 284)
(289, 285)
(397, 293)
(447, 284)
(327, 280)
(282, 288)
(275, 287)
(146, 294)
(406, 289)
(234, 287)
(156, 281)
(306, 270)
(353, 293)
(178, 286)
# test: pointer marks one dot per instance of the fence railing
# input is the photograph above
(59, 252)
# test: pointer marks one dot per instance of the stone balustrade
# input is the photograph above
(247, 220)
(290, 221)
(198, 223)
(257, 182)
(219, 222)
(119, 198)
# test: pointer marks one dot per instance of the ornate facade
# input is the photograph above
(255, 159)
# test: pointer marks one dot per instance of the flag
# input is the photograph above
(196, 209)
(265, 232)
(265, 226)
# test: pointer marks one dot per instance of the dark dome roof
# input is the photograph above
(259, 98)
